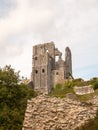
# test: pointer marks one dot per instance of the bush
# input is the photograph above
(95, 85)
(13, 100)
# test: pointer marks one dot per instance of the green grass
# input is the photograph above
(60, 91)
(86, 97)
(68, 87)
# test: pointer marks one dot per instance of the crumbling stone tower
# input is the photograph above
(46, 71)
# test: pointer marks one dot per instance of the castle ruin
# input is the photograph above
(46, 70)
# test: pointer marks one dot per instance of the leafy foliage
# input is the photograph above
(95, 85)
(8, 76)
(13, 98)
(94, 82)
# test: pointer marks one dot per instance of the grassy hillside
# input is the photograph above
(60, 90)
(13, 98)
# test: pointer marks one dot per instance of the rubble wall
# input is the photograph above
(51, 113)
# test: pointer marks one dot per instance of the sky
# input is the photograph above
(73, 23)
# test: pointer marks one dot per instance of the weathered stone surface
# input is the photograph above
(83, 90)
(51, 113)
(68, 64)
(46, 71)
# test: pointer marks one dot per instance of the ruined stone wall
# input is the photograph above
(59, 72)
(81, 90)
(40, 72)
(51, 113)
(46, 73)
(68, 63)
(58, 76)
(42, 64)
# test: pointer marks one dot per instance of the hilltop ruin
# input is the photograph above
(46, 71)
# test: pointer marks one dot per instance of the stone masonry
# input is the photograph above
(51, 113)
(81, 90)
(46, 71)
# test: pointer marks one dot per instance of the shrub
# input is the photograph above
(13, 100)
(95, 85)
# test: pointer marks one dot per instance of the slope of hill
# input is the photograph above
(61, 109)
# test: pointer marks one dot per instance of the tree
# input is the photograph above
(8, 75)
(13, 99)
(95, 85)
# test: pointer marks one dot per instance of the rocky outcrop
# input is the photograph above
(51, 113)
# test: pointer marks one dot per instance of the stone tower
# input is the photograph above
(68, 63)
(46, 71)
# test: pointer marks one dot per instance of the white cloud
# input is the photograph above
(71, 23)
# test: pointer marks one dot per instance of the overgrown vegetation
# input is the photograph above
(13, 99)
(60, 90)
(14, 95)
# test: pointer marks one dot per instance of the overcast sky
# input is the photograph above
(73, 23)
